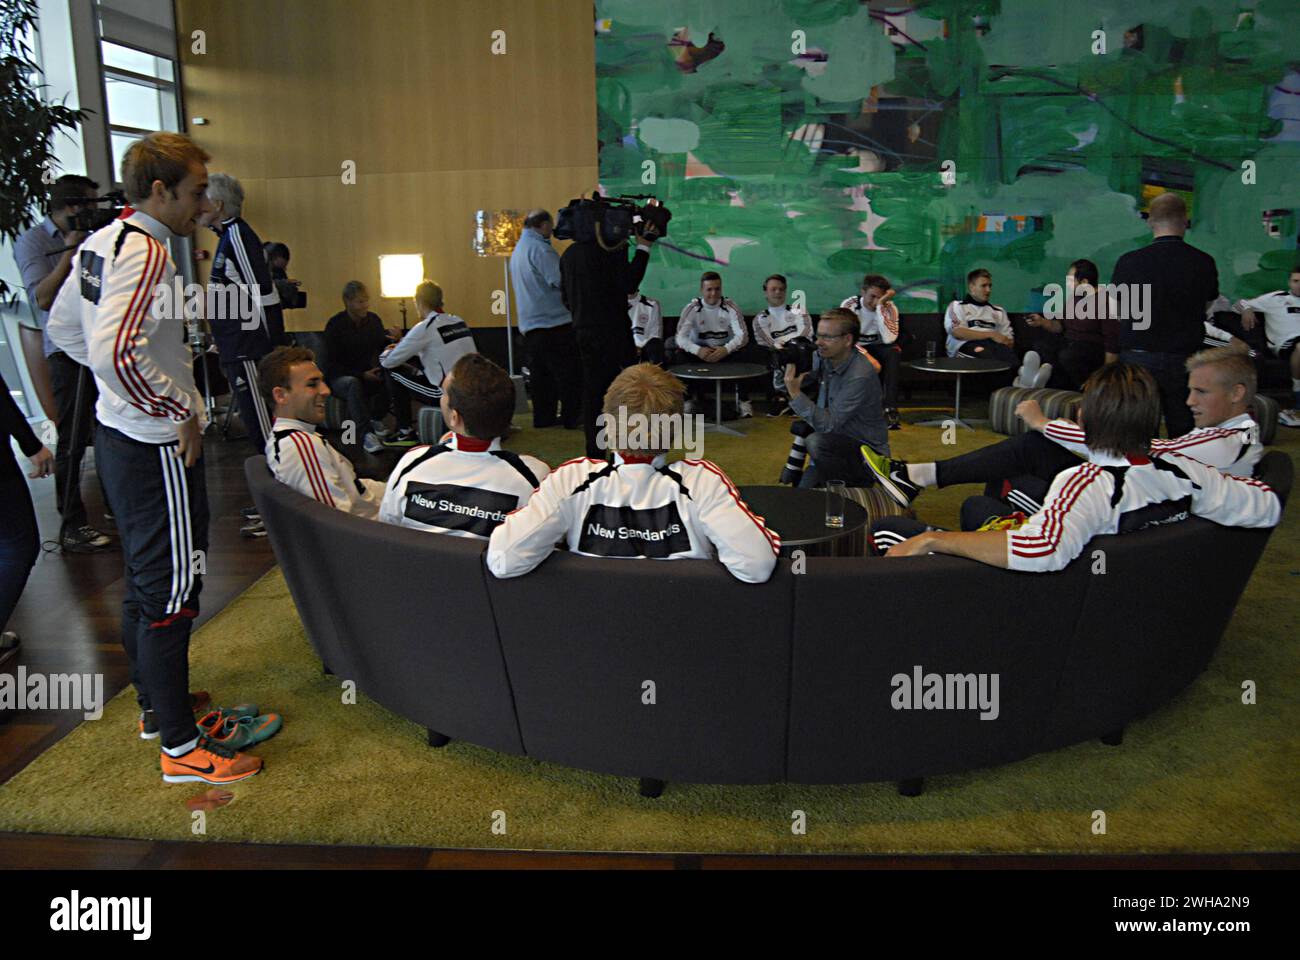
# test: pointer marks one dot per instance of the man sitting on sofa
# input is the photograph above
(466, 485)
(1123, 486)
(638, 506)
(1221, 388)
(298, 456)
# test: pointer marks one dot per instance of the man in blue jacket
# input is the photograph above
(547, 327)
(244, 313)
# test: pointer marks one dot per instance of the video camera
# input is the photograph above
(799, 351)
(90, 217)
(611, 220)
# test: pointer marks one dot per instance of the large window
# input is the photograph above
(140, 89)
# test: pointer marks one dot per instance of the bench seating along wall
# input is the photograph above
(785, 681)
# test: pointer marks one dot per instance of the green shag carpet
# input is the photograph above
(1204, 773)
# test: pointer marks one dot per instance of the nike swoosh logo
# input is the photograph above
(189, 766)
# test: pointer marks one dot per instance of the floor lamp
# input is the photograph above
(495, 234)
(399, 275)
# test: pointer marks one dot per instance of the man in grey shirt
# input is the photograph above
(849, 410)
(45, 256)
(553, 361)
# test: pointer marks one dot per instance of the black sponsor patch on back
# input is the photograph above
(624, 532)
(454, 507)
(452, 332)
(92, 275)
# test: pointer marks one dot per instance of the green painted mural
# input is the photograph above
(825, 139)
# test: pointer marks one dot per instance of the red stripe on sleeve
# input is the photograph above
(311, 466)
(119, 352)
(143, 395)
(1050, 539)
(168, 406)
(773, 539)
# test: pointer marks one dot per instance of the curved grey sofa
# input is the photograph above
(791, 680)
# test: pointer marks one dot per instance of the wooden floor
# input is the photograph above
(70, 614)
(69, 620)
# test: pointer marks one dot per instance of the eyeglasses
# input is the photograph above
(829, 336)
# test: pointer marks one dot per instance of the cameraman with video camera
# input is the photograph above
(848, 409)
(45, 254)
(596, 278)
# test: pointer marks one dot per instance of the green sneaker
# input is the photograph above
(214, 718)
(240, 733)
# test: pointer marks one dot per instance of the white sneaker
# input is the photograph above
(1044, 375)
(379, 430)
(371, 443)
(746, 409)
(1289, 418)
(1029, 369)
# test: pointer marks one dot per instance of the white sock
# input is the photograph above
(183, 749)
(923, 474)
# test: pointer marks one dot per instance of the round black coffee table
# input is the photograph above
(958, 366)
(718, 372)
(799, 517)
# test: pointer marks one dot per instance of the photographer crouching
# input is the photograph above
(847, 412)
(596, 279)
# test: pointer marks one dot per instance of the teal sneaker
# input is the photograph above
(214, 718)
(240, 733)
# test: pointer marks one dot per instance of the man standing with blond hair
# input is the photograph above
(116, 315)
(638, 506)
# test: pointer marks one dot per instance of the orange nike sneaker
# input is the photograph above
(209, 762)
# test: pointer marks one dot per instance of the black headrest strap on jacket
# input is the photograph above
(1171, 467)
(422, 458)
(593, 477)
(676, 477)
(1118, 473)
(121, 237)
(517, 462)
(280, 435)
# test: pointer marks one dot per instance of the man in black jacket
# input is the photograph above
(1176, 282)
(595, 283)
(354, 339)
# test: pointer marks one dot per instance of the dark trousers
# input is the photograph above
(835, 456)
(989, 350)
(363, 400)
(556, 371)
(604, 354)
(407, 383)
(1073, 361)
(975, 512)
(70, 450)
(20, 542)
(246, 391)
(1170, 373)
(653, 352)
(1026, 455)
(162, 516)
(890, 359)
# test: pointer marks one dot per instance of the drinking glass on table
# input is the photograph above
(835, 504)
(931, 348)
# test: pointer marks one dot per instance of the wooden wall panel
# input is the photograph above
(409, 90)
